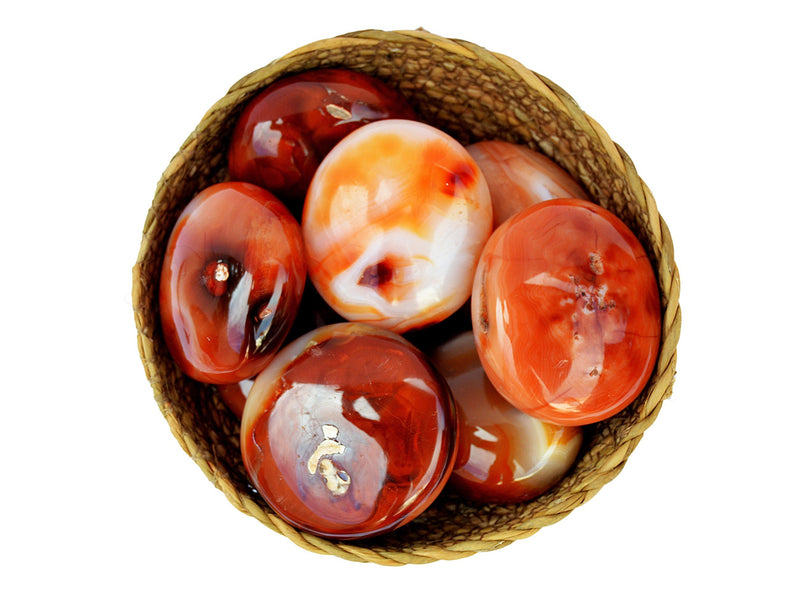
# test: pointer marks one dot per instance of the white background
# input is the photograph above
(96, 497)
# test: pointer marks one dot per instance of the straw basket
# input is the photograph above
(472, 94)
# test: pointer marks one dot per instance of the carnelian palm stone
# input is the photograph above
(393, 224)
(349, 432)
(231, 282)
(288, 128)
(503, 454)
(519, 177)
(566, 312)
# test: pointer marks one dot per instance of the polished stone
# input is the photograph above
(394, 223)
(349, 432)
(566, 312)
(287, 129)
(519, 177)
(503, 454)
(231, 282)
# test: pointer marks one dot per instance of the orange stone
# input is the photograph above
(349, 432)
(394, 222)
(503, 454)
(566, 312)
(519, 177)
(231, 282)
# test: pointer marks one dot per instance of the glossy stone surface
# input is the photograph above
(519, 177)
(349, 432)
(232, 279)
(394, 223)
(503, 455)
(566, 312)
(288, 128)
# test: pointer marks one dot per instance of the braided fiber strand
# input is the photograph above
(473, 94)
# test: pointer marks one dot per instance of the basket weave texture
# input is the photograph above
(472, 94)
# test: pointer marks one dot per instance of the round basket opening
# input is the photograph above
(473, 95)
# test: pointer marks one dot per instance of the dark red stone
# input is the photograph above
(349, 432)
(231, 282)
(288, 128)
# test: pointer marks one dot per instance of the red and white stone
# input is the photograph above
(394, 222)
(503, 454)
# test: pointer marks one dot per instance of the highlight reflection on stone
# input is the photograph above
(232, 279)
(503, 454)
(566, 312)
(519, 177)
(349, 432)
(394, 223)
(287, 129)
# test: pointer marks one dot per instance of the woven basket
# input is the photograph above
(472, 94)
